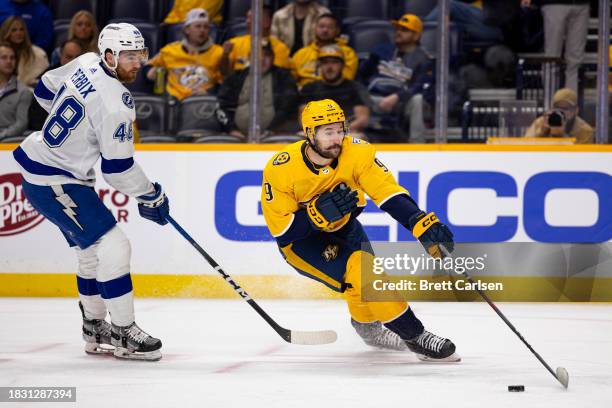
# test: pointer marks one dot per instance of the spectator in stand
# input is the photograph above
(179, 11)
(398, 72)
(69, 50)
(471, 21)
(15, 97)
(279, 98)
(32, 60)
(237, 50)
(193, 63)
(352, 97)
(294, 24)
(37, 16)
(84, 30)
(562, 120)
(37, 115)
(305, 60)
(566, 24)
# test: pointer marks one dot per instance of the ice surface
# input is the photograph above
(219, 353)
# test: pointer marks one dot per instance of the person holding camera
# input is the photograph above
(562, 120)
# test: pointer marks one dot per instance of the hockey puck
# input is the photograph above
(516, 388)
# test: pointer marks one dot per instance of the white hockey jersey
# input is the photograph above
(90, 116)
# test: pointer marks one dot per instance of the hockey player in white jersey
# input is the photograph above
(90, 116)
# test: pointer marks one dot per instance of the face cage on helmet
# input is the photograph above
(141, 55)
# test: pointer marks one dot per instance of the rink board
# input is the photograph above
(486, 194)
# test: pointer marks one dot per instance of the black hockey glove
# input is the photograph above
(432, 233)
(331, 206)
(154, 206)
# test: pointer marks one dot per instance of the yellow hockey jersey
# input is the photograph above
(290, 181)
(189, 73)
(241, 53)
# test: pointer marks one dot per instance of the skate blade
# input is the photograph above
(125, 354)
(99, 349)
(453, 358)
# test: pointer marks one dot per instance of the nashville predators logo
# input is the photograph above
(281, 158)
(193, 77)
(330, 252)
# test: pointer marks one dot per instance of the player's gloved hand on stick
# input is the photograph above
(432, 233)
(155, 206)
(331, 206)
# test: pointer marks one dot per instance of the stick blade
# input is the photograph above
(311, 338)
(563, 376)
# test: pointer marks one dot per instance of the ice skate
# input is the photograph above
(376, 335)
(97, 335)
(429, 347)
(133, 343)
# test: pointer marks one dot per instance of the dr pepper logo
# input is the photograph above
(16, 213)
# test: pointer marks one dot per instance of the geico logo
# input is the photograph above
(530, 209)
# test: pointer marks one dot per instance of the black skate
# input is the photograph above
(133, 343)
(97, 335)
(429, 347)
(376, 335)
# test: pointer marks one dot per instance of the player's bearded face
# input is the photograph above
(328, 140)
(129, 64)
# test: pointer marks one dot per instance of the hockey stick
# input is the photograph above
(560, 374)
(290, 336)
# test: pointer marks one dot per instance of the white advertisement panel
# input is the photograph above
(485, 196)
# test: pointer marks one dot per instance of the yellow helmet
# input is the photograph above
(322, 112)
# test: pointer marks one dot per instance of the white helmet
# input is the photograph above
(118, 37)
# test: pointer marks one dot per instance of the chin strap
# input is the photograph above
(113, 69)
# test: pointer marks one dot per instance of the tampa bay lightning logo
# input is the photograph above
(127, 100)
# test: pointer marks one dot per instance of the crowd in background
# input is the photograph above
(387, 93)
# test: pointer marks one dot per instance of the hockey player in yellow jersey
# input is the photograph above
(313, 192)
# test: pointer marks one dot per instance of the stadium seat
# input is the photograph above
(235, 10)
(157, 139)
(63, 10)
(366, 35)
(151, 114)
(16, 139)
(132, 11)
(480, 120)
(231, 31)
(165, 7)
(351, 11)
(197, 116)
(419, 7)
(174, 32)
(285, 139)
(219, 139)
(506, 118)
(151, 34)
(60, 34)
